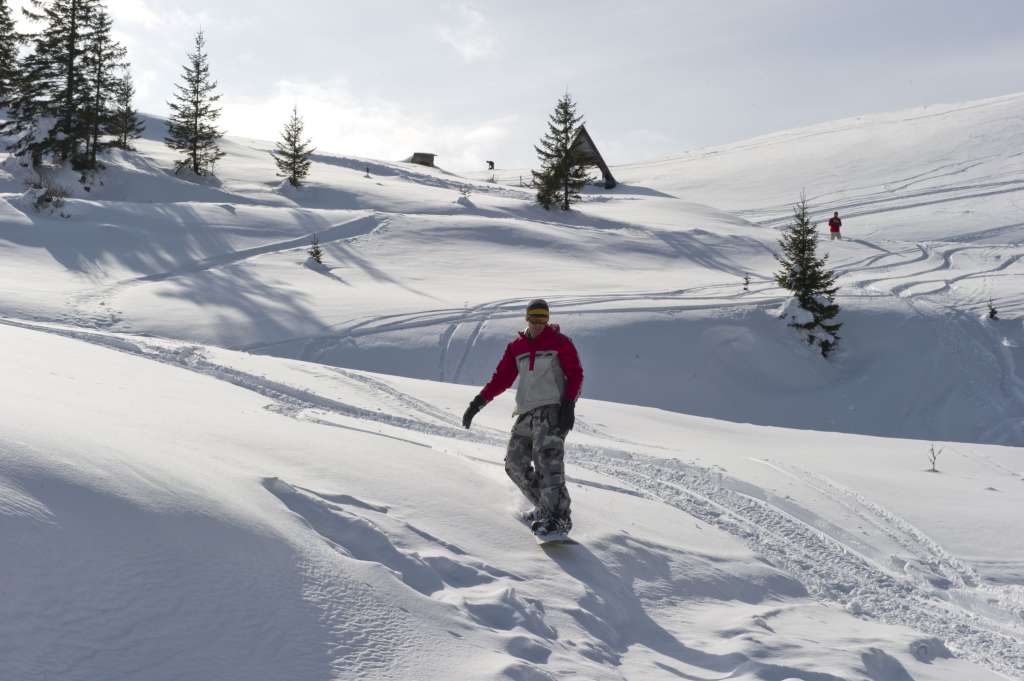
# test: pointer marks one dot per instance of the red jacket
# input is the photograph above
(834, 224)
(548, 368)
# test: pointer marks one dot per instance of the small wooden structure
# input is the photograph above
(586, 150)
(422, 158)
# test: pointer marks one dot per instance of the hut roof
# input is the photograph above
(584, 147)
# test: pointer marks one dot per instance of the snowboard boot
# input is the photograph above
(529, 517)
(545, 526)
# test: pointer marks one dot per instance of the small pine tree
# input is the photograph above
(191, 128)
(562, 174)
(315, 252)
(125, 125)
(812, 283)
(292, 152)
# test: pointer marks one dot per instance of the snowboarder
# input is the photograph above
(550, 379)
(833, 227)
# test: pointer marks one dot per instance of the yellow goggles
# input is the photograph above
(538, 314)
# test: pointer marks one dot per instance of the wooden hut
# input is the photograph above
(586, 150)
(423, 158)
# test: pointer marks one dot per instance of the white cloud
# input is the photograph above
(134, 13)
(467, 31)
(343, 123)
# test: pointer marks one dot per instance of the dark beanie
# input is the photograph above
(538, 310)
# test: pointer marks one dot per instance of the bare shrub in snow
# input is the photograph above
(813, 305)
(993, 313)
(49, 194)
(933, 458)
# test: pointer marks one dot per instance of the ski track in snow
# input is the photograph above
(452, 319)
(884, 200)
(92, 308)
(944, 256)
(907, 282)
(929, 597)
(828, 569)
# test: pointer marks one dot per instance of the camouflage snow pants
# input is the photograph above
(534, 461)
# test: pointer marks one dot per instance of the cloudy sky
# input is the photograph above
(472, 81)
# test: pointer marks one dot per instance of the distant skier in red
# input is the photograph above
(550, 377)
(833, 227)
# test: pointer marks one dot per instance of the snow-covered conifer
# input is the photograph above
(562, 175)
(292, 152)
(192, 127)
(812, 283)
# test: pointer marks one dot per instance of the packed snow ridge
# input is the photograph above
(221, 460)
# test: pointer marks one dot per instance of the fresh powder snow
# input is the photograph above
(220, 460)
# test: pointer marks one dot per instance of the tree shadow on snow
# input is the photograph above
(158, 240)
(343, 253)
(267, 311)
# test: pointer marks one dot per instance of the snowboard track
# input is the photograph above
(828, 569)
(831, 571)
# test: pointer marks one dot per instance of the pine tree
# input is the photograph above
(812, 283)
(57, 71)
(292, 152)
(59, 92)
(191, 128)
(103, 57)
(27, 112)
(562, 174)
(125, 125)
(10, 40)
(315, 252)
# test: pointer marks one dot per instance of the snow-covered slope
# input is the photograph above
(181, 498)
(928, 173)
(424, 282)
(178, 511)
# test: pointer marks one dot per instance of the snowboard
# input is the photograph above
(553, 538)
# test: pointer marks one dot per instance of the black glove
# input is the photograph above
(566, 415)
(476, 405)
